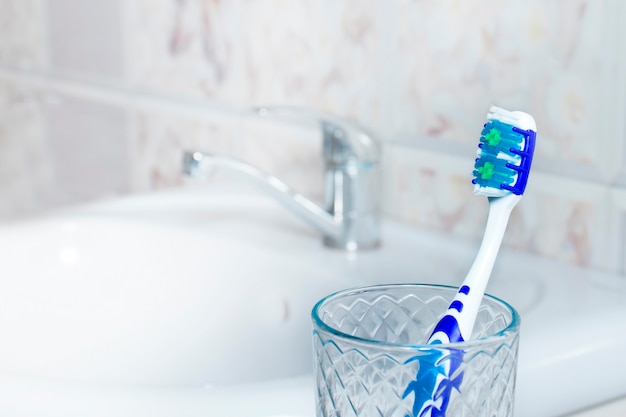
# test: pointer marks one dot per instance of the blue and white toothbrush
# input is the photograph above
(501, 172)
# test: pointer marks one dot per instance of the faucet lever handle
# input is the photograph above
(344, 141)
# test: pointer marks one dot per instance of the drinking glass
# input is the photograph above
(371, 356)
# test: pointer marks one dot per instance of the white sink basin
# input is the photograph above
(116, 293)
(200, 296)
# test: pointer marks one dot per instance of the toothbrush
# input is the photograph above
(501, 172)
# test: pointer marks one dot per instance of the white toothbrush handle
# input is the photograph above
(457, 324)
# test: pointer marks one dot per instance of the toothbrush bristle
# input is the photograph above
(505, 152)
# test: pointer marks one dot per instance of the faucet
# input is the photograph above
(349, 218)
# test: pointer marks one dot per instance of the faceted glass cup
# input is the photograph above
(371, 358)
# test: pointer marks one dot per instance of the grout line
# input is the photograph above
(541, 167)
(116, 95)
(620, 261)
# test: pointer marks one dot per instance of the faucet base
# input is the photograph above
(362, 233)
(351, 246)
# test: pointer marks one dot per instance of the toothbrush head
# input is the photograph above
(505, 153)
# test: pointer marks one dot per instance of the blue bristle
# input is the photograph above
(506, 153)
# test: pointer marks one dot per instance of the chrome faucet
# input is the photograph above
(350, 216)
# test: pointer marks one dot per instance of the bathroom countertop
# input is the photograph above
(291, 397)
(616, 408)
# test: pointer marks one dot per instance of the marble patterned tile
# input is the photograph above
(88, 148)
(617, 240)
(159, 139)
(184, 48)
(431, 189)
(554, 59)
(292, 153)
(22, 34)
(418, 70)
(324, 55)
(85, 38)
(558, 218)
(327, 55)
(25, 167)
(566, 220)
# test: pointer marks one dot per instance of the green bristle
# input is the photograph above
(490, 169)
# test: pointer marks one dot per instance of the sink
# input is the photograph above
(117, 293)
(191, 299)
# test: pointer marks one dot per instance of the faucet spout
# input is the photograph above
(202, 165)
(349, 217)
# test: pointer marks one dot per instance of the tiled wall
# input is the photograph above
(99, 98)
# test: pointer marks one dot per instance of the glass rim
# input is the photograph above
(490, 338)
